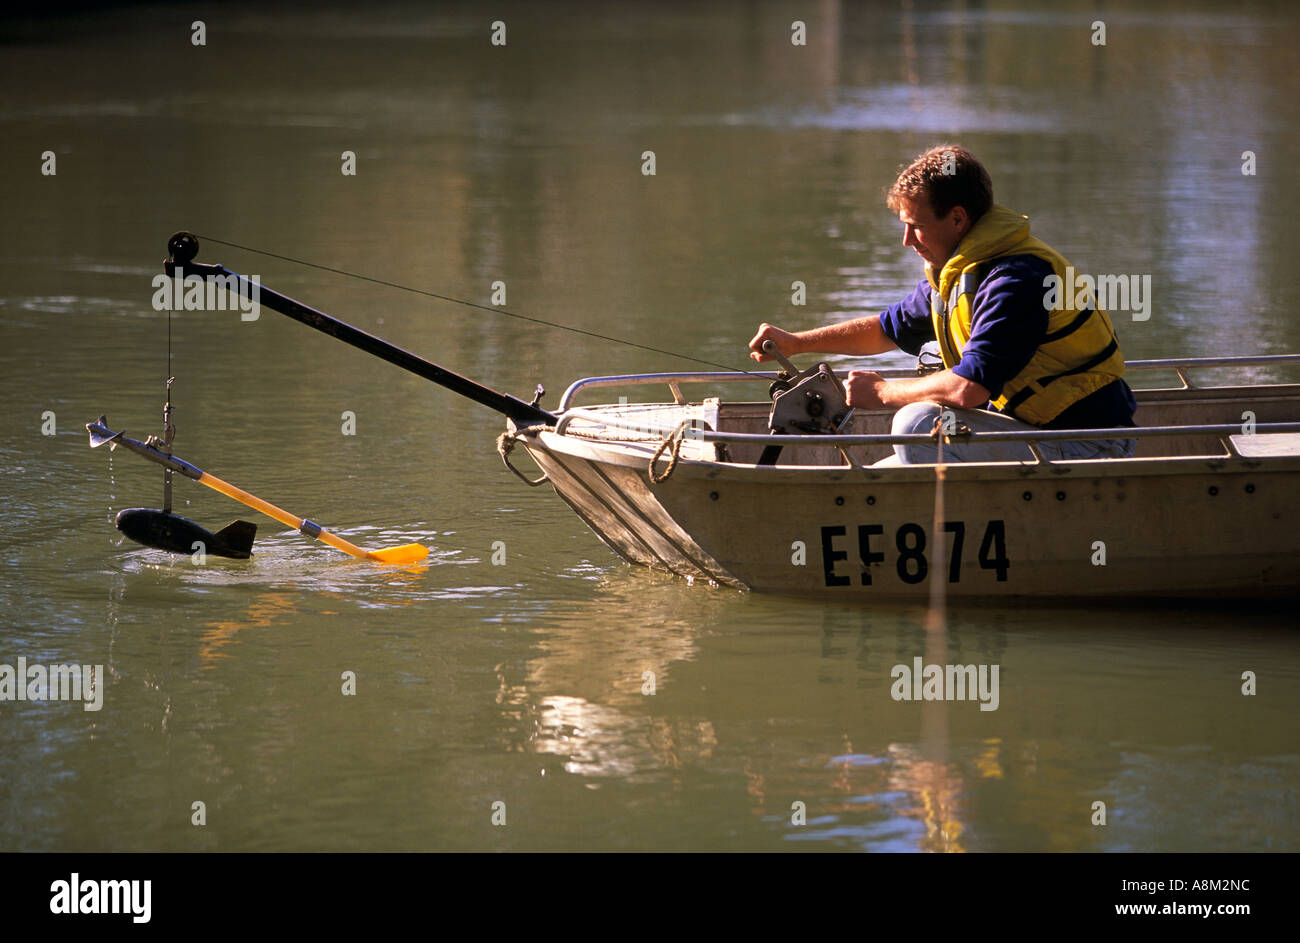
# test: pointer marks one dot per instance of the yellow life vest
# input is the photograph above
(1080, 353)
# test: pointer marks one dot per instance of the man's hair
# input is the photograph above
(946, 176)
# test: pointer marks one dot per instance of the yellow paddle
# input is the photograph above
(407, 553)
(100, 434)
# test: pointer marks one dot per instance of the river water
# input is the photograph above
(526, 690)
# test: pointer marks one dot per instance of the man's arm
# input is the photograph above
(903, 326)
(867, 390)
(1009, 324)
(859, 336)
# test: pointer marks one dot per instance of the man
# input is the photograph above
(1014, 356)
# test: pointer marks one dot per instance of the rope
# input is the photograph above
(506, 445)
(675, 438)
(472, 304)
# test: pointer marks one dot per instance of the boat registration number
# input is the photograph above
(910, 561)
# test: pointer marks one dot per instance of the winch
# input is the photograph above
(807, 402)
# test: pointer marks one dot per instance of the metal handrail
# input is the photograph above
(637, 379)
(1026, 435)
(610, 421)
(889, 373)
(1256, 361)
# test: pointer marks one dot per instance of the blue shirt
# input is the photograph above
(1008, 324)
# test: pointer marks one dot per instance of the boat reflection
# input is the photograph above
(648, 700)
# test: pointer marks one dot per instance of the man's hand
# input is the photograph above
(786, 342)
(863, 388)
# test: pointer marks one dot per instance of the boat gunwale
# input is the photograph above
(626, 451)
(636, 455)
(812, 441)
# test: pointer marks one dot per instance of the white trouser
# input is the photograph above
(918, 419)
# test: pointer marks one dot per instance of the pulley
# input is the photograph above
(808, 402)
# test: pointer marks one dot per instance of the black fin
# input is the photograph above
(235, 540)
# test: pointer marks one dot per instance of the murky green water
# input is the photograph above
(525, 683)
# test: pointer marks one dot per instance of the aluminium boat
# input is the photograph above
(1205, 508)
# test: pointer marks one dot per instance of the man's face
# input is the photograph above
(932, 238)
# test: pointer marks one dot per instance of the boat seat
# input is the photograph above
(1267, 445)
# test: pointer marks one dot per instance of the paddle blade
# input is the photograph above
(407, 553)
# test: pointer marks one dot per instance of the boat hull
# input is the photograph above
(1178, 520)
(1171, 527)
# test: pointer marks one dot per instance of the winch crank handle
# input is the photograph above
(770, 348)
